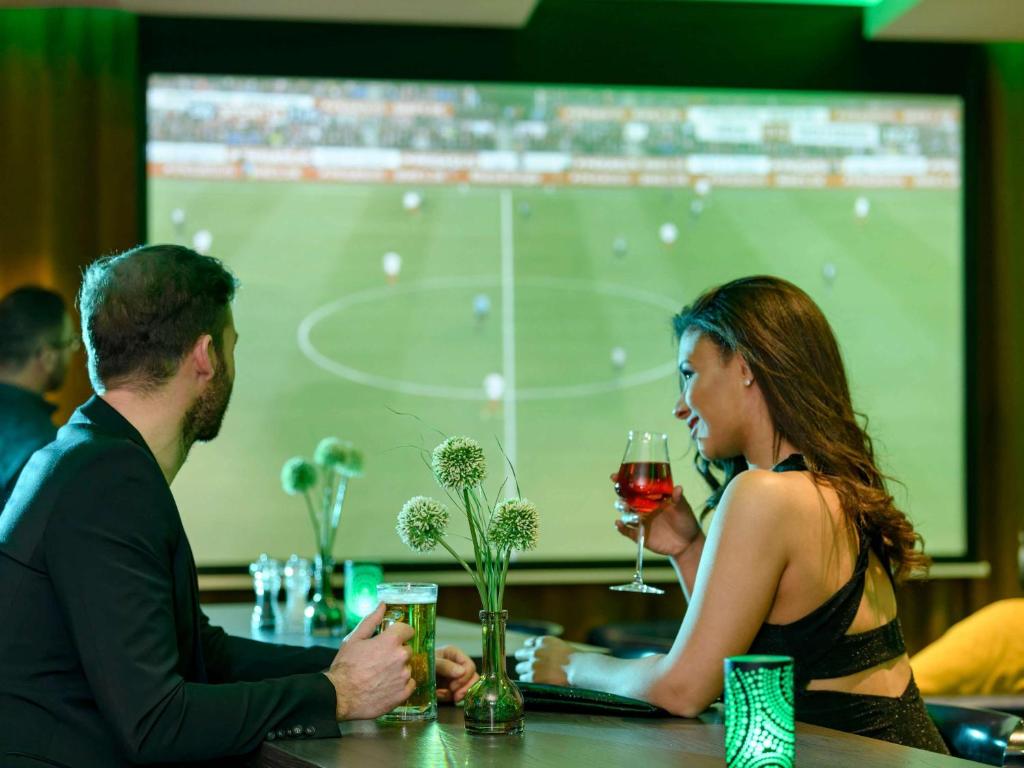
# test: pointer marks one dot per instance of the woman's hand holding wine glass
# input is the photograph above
(643, 483)
(671, 528)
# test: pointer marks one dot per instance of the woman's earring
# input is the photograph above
(748, 382)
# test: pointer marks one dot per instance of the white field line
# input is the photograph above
(586, 389)
(508, 332)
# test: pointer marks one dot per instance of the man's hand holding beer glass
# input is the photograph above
(371, 675)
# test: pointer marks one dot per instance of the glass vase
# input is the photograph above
(494, 704)
(324, 617)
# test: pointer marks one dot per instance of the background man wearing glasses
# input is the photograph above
(37, 339)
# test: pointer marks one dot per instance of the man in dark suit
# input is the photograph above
(37, 340)
(105, 656)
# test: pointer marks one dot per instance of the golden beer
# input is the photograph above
(415, 605)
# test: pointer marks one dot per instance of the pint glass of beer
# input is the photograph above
(415, 605)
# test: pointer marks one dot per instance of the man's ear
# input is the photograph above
(47, 357)
(204, 358)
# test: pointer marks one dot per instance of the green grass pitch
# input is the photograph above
(895, 304)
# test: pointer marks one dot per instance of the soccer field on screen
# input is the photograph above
(329, 346)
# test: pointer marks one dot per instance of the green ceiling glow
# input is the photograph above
(847, 3)
(882, 14)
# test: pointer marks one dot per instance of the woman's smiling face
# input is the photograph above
(712, 399)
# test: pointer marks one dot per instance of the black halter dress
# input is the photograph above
(822, 649)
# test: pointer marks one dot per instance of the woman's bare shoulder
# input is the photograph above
(787, 497)
(760, 490)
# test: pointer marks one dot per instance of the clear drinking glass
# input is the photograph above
(266, 582)
(298, 578)
(643, 483)
(415, 605)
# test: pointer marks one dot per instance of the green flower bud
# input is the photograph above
(297, 476)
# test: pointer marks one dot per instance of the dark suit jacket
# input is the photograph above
(105, 657)
(25, 426)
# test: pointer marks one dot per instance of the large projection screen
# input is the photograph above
(400, 244)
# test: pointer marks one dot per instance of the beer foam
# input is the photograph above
(407, 594)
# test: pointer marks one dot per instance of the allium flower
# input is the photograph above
(422, 523)
(459, 463)
(332, 453)
(297, 476)
(354, 468)
(514, 525)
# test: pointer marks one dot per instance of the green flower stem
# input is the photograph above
(312, 515)
(325, 506)
(478, 553)
(480, 507)
(339, 500)
(504, 575)
(464, 564)
(493, 580)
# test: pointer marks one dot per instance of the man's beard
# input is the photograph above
(202, 421)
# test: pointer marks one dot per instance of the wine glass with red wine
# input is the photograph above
(644, 482)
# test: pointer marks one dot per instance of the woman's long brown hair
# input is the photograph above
(794, 357)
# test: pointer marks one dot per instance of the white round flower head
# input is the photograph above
(392, 264)
(514, 525)
(297, 476)
(178, 217)
(620, 246)
(668, 232)
(702, 187)
(202, 240)
(861, 207)
(829, 272)
(422, 523)
(459, 463)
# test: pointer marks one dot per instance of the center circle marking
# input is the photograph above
(476, 393)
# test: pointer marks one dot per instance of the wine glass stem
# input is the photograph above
(638, 574)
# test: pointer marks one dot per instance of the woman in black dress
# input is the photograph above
(804, 542)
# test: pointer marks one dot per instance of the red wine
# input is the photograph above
(644, 485)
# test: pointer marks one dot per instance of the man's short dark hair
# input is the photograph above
(143, 310)
(29, 317)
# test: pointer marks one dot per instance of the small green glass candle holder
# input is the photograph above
(759, 727)
(361, 580)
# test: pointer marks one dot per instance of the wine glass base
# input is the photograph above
(637, 586)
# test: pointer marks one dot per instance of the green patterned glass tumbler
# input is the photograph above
(494, 704)
(759, 728)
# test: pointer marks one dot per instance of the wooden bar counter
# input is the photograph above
(555, 740)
